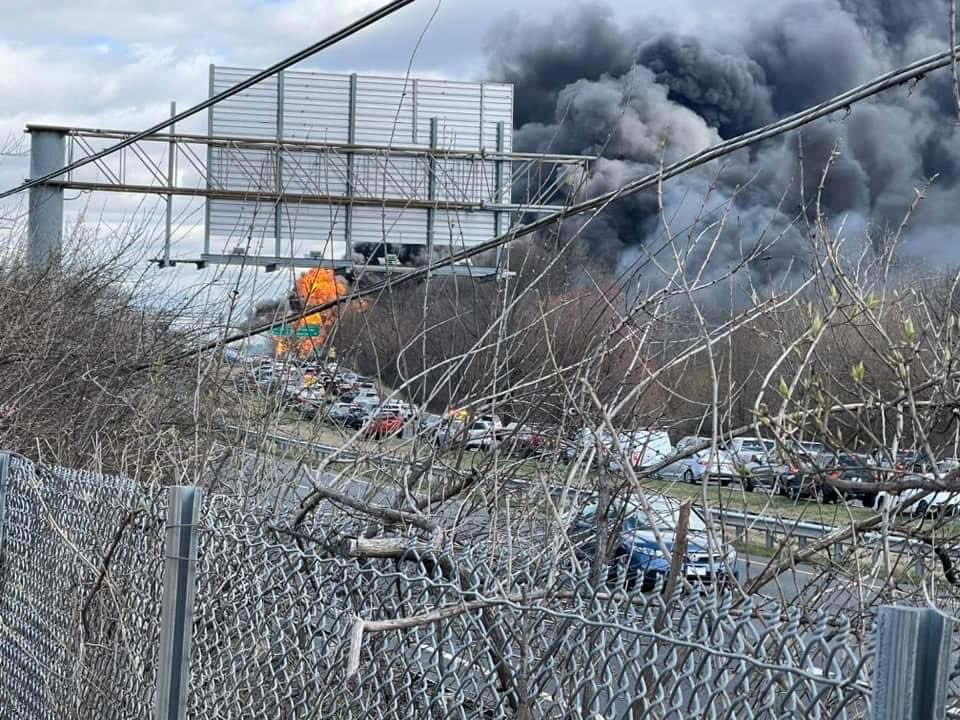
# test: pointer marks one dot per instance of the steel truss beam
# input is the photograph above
(140, 169)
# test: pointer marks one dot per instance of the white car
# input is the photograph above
(938, 504)
(310, 400)
(366, 404)
(689, 469)
(481, 435)
(643, 447)
(367, 396)
(646, 447)
(399, 407)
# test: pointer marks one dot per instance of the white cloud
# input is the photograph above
(117, 64)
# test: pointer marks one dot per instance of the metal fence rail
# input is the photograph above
(294, 620)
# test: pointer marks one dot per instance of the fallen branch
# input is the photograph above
(381, 512)
(117, 536)
(387, 548)
(362, 626)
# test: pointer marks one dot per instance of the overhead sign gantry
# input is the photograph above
(317, 169)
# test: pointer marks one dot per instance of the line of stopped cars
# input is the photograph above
(812, 471)
(331, 392)
(803, 470)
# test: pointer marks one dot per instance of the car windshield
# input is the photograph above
(664, 515)
(753, 446)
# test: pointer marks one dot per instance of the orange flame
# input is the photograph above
(314, 287)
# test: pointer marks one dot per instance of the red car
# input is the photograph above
(384, 425)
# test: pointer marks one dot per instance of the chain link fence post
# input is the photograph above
(4, 494)
(179, 585)
(913, 664)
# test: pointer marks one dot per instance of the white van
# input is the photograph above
(399, 407)
(646, 447)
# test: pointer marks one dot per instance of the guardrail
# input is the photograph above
(770, 526)
(804, 532)
(284, 442)
(773, 527)
(740, 522)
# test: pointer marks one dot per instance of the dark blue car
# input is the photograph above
(638, 555)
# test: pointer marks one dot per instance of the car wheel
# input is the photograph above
(818, 495)
(688, 476)
(748, 485)
(649, 582)
(869, 501)
(792, 493)
(922, 507)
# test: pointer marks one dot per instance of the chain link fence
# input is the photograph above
(78, 640)
(331, 616)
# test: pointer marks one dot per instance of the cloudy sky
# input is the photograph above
(689, 69)
(109, 63)
(118, 63)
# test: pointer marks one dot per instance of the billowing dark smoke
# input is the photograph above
(267, 310)
(582, 45)
(728, 90)
(632, 95)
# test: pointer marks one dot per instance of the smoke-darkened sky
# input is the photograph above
(633, 92)
(626, 79)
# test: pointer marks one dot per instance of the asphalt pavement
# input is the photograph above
(294, 481)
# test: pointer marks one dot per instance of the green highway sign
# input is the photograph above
(306, 331)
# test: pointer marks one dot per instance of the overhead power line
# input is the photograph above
(844, 101)
(333, 39)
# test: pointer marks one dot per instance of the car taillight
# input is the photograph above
(794, 469)
(835, 474)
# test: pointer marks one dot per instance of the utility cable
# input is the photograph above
(915, 71)
(333, 39)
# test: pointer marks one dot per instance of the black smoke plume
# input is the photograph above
(633, 94)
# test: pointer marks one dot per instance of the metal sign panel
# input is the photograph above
(377, 161)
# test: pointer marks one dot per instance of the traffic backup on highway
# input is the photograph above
(641, 531)
(333, 394)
